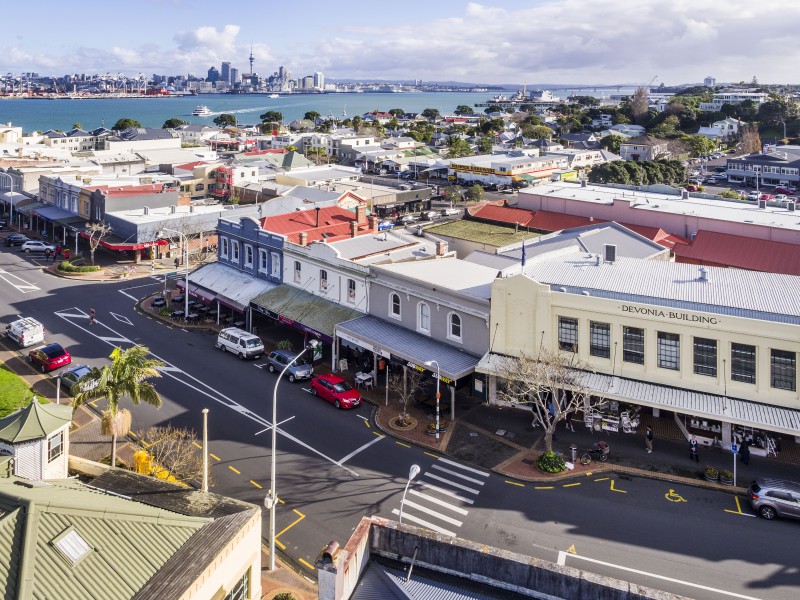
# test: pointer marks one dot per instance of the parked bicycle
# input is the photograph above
(600, 450)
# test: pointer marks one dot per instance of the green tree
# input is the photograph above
(126, 376)
(698, 144)
(453, 194)
(77, 126)
(124, 124)
(457, 147)
(474, 193)
(393, 124)
(485, 145)
(536, 132)
(463, 109)
(173, 123)
(396, 112)
(611, 142)
(312, 115)
(431, 113)
(225, 120)
(271, 116)
(356, 122)
(492, 126)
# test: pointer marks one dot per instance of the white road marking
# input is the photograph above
(170, 369)
(121, 340)
(363, 417)
(23, 286)
(136, 287)
(562, 560)
(460, 466)
(134, 298)
(457, 474)
(441, 490)
(460, 511)
(279, 424)
(424, 523)
(357, 450)
(203, 388)
(121, 318)
(455, 485)
(433, 513)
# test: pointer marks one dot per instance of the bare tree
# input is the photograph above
(550, 383)
(640, 104)
(173, 453)
(96, 231)
(750, 139)
(405, 385)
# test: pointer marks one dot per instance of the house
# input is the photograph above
(644, 147)
(627, 129)
(722, 131)
(190, 133)
(733, 97)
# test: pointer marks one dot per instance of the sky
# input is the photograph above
(490, 42)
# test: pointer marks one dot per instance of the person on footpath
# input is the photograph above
(568, 422)
(648, 440)
(744, 452)
(693, 450)
(91, 316)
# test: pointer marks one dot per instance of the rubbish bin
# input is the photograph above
(574, 452)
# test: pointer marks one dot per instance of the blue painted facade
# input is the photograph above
(246, 247)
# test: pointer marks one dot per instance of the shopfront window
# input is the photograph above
(743, 363)
(600, 339)
(705, 357)
(633, 345)
(323, 280)
(783, 370)
(669, 351)
(568, 334)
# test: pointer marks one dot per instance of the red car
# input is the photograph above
(49, 357)
(335, 390)
(784, 189)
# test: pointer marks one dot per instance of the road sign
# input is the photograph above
(734, 448)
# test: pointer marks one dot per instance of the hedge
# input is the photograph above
(67, 267)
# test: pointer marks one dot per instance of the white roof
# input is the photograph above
(448, 273)
(229, 283)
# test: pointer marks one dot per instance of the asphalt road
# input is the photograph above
(333, 467)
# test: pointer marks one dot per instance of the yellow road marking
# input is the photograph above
(197, 445)
(514, 483)
(402, 444)
(376, 433)
(214, 456)
(602, 479)
(255, 484)
(570, 484)
(588, 473)
(366, 423)
(613, 489)
(673, 497)
(433, 455)
(543, 487)
(308, 564)
(234, 470)
(288, 527)
(572, 550)
(739, 509)
(281, 501)
(93, 403)
(281, 544)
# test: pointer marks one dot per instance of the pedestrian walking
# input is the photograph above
(744, 452)
(66, 254)
(47, 254)
(58, 250)
(177, 262)
(648, 439)
(693, 450)
(568, 422)
(91, 316)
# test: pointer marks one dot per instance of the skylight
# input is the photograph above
(72, 546)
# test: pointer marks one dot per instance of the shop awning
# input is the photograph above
(384, 338)
(227, 285)
(49, 212)
(525, 177)
(204, 295)
(303, 310)
(72, 221)
(27, 208)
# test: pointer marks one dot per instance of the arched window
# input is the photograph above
(394, 306)
(423, 318)
(454, 327)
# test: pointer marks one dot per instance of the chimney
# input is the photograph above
(317, 209)
(303, 238)
(145, 210)
(353, 228)
(703, 274)
(373, 223)
(361, 214)
(762, 204)
(441, 248)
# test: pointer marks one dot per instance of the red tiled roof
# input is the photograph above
(724, 249)
(190, 166)
(544, 220)
(503, 214)
(334, 223)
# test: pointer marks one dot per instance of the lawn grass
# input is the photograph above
(14, 392)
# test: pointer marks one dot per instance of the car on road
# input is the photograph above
(767, 197)
(785, 189)
(36, 246)
(75, 380)
(16, 239)
(781, 197)
(753, 196)
(431, 215)
(720, 169)
(452, 211)
(49, 357)
(691, 188)
(407, 219)
(335, 390)
(278, 359)
(772, 498)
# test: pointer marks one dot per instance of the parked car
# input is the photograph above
(3, 224)
(781, 197)
(753, 196)
(49, 357)
(691, 188)
(384, 225)
(335, 390)
(767, 197)
(74, 380)
(36, 246)
(785, 189)
(407, 219)
(772, 498)
(720, 169)
(431, 215)
(278, 359)
(452, 211)
(16, 239)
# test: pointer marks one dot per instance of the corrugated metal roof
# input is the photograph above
(368, 245)
(742, 252)
(410, 345)
(451, 274)
(33, 422)
(230, 283)
(735, 292)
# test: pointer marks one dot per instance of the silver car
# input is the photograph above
(278, 359)
(772, 498)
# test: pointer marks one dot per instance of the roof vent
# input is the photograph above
(703, 274)
(610, 252)
(145, 210)
(596, 260)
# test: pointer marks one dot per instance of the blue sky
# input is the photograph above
(500, 41)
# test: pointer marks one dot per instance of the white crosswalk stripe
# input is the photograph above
(445, 484)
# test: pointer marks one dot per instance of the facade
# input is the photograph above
(778, 166)
(724, 130)
(246, 247)
(734, 98)
(643, 147)
(504, 170)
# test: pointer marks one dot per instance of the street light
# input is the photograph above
(413, 472)
(186, 265)
(272, 499)
(438, 377)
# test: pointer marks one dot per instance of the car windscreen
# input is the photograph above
(300, 362)
(342, 387)
(80, 373)
(53, 351)
(253, 343)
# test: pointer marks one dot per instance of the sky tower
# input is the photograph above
(251, 59)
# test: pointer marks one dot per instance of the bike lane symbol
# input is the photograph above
(674, 497)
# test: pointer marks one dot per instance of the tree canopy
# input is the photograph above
(126, 123)
(463, 109)
(648, 172)
(312, 115)
(173, 123)
(396, 112)
(431, 113)
(225, 120)
(457, 147)
(271, 116)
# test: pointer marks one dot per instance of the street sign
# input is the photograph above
(734, 448)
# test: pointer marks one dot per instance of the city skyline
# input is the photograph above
(505, 41)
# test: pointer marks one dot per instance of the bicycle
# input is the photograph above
(601, 449)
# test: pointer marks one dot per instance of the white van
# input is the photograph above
(239, 342)
(26, 332)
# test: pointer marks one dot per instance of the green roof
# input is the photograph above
(126, 542)
(484, 233)
(34, 422)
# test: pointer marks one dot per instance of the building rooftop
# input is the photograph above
(323, 224)
(451, 274)
(370, 249)
(484, 233)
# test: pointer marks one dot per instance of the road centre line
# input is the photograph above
(357, 450)
(460, 466)
(214, 456)
(424, 523)
(562, 559)
(460, 511)
(544, 487)
(433, 455)
(570, 484)
(255, 484)
(450, 493)
(216, 396)
(456, 474)
(455, 485)
(433, 513)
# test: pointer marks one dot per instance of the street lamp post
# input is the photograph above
(186, 266)
(438, 377)
(413, 472)
(272, 498)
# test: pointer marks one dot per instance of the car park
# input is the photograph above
(36, 246)
(772, 498)
(781, 197)
(75, 379)
(753, 196)
(767, 197)
(278, 359)
(16, 239)
(50, 357)
(335, 390)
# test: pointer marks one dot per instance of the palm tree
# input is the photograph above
(127, 375)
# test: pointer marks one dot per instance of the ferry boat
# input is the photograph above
(274, 96)
(201, 111)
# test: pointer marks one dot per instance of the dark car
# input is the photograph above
(74, 379)
(278, 359)
(335, 390)
(16, 239)
(772, 498)
(49, 357)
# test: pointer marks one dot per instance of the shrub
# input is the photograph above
(725, 474)
(285, 596)
(712, 472)
(165, 311)
(549, 462)
(72, 267)
(284, 345)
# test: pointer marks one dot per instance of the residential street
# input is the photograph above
(335, 466)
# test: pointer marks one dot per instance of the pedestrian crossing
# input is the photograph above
(441, 497)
